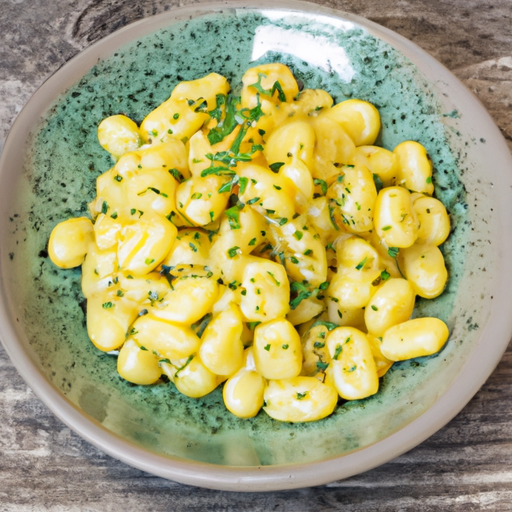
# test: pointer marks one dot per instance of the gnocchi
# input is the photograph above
(262, 243)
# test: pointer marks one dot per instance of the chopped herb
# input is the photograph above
(294, 260)
(225, 127)
(201, 324)
(144, 348)
(184, 366)
(429, 180)
(385, 275)
(331, 216)
(233, 251)
(164, 361)
(386, 228)
(276, 166)
(120, 293)
(283, 221)
(211, 217)
(155, 133)
(148, 261)
(273, 277)
(233, 215)
(267, 347)
(285, 346)
(261, 132)
(269, 92)
(319, 344)
(243, 184)
(277, 187)
(114, 215)
(337, 351)
(176, 175)
(378, 182)
(361, 264)
(322, 366)
(192, 246)
(350, 370)
(169, 131)
(329, 325)
(253, 200)
(234, 285)
(196, 195)
(307, 252)
(107, 305)
(375, 308)
(322, 184)
(300, 396)
(252, 325)
(118, 178)
(393, 251)
(104, 207)
(253, 242)
(298, 235)
(176, 116)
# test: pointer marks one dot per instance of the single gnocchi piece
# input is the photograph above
(294, 140)
(333, 149)
(269, 194)
(98, 270)
(277, 350)
(380, 162)
(169, 339)
(203, 89)
(189, 300)
(172, 119)
(272, 82)
(243, 392)
(314, 349)
(352, 200)
(433, 220)
(352, 365)
(193, 379)
(391, 304)
(137, 365)
(119, 135)
(424, 267)
(221, 348)
(359, 118)
(395, 219)
(302, 250)
(414, 338)
(267, 291)
(357, 258)
(69, 242)
(415, 167)
(144, 243)
(299, 399)
(108, 319)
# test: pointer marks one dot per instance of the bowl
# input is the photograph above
(48, 169)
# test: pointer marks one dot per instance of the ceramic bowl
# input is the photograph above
(48, 167)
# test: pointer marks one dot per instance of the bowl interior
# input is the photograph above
(56, 180)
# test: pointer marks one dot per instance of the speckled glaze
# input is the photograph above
(56, 175)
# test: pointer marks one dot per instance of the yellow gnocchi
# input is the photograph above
(261, 243)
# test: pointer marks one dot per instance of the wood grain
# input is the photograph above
(466, 466)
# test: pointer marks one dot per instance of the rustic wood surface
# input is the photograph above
(466, 466)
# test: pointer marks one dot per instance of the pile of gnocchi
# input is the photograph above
(262, 242)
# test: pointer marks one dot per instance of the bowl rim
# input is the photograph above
(481, 362)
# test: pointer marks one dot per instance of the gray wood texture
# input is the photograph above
(466, 466)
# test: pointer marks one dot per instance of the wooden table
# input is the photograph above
(466, 466)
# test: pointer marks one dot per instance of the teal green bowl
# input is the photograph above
(48, 170)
